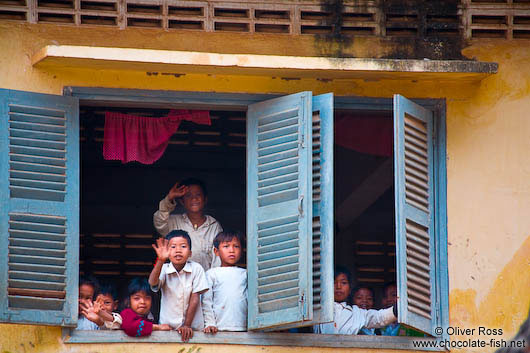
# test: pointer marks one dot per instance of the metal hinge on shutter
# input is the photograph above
(304, 306)
(301, 141)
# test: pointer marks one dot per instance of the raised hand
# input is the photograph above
(177, 191)
(87, 310)
(162, 249)
(99, 305)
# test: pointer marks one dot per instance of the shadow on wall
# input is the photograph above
(522, 338)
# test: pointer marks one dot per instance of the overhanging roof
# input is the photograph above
(188, 62)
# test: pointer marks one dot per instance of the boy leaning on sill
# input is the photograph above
(181, 282)
(225, 304)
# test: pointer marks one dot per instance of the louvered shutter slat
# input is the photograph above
(29, 129)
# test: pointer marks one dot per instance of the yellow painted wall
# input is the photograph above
(488, 147)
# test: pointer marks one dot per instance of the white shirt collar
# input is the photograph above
(209, 220)
(172, 269)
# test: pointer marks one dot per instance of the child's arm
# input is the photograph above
(185, 330)
(210, 322)
(161, 327)
(379, 318)
(135, 325)
(166, 206)
(112, 321)
(199, 286)
(162, 252)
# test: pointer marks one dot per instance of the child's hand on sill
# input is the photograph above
(162, 327)
(210, 329)
(186, 332)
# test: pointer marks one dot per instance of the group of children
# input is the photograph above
(192, 299)
(353, 310)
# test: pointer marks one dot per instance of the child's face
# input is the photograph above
(229, 252)
(390, 297)
(364, 299)
(86, 293)
(179, 252)
(342, 288)
(194, 200)
(140, 303)
(109, 304)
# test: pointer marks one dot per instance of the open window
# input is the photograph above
(289, 209)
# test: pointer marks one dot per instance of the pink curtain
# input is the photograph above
(371, 135)
(130, 138)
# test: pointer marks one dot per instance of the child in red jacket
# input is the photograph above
(137, 319)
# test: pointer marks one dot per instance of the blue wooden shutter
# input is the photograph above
(323, 226)
(39, 213)
(279, 220)
(414, 198)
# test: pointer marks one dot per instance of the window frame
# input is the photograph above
(240, 102)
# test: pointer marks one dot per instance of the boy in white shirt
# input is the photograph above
(192, 194)
(181, 282)
(347, 319)
(225, 304)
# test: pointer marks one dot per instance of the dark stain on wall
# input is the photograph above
(410, 29)
(334, 44)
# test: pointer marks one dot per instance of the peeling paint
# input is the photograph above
(172, 74)
(501, 307)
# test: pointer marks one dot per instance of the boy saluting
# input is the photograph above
(193, 196)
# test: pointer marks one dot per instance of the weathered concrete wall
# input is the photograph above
(487, 145)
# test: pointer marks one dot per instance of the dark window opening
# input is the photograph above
(364, 201)
(118, 200)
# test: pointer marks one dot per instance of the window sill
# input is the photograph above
(253, 339)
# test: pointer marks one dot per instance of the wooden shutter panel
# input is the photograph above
(414, 198)
(40, 213)
(279, 220)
